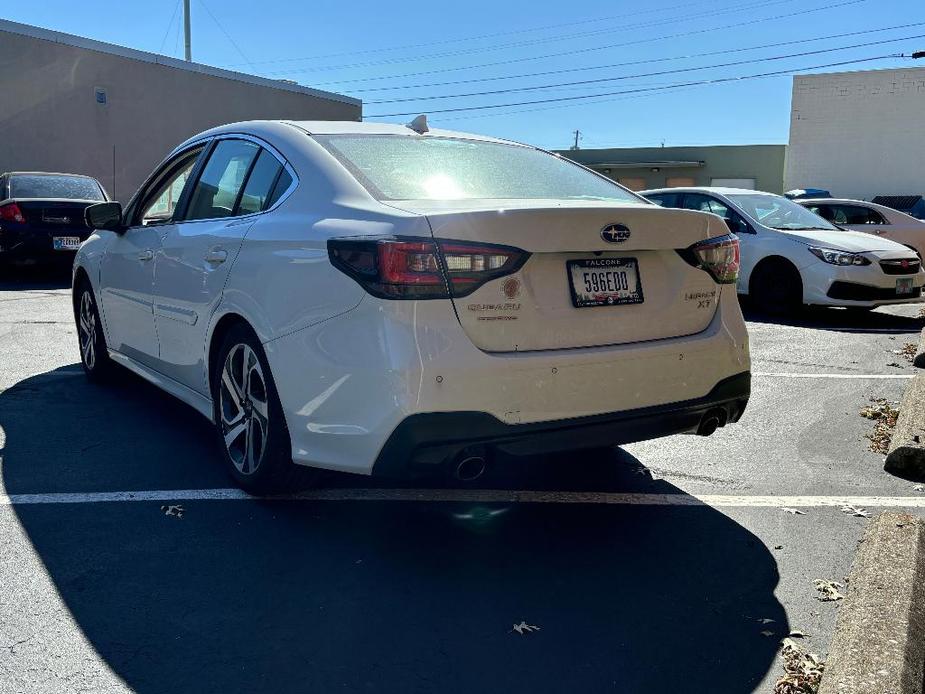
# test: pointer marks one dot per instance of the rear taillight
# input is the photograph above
(718, 256)
(414, 268)
(11, 213)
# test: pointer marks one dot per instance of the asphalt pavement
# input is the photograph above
(665, 566)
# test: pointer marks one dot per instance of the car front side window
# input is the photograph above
(159, 201)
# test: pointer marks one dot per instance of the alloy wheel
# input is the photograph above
(244, 409)
(87, 328)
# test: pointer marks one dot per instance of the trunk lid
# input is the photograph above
(534, 308)
(55, 215)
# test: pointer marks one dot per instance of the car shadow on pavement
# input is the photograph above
(373, 596)
(28, 277)
(839, 319)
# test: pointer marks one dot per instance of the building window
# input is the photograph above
(633, 183)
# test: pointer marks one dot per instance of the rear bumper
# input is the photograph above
(424, 440)
(347, 384)
(37, 244)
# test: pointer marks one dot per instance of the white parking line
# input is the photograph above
(855, 376)
(474, 495)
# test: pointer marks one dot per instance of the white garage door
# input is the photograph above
(748, 183)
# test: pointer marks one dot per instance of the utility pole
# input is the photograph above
(577, 134)
(186, 31)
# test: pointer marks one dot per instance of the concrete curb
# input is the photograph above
(906, 455)
(919, 359)
(879, 641)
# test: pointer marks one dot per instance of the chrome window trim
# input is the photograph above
(207, 141)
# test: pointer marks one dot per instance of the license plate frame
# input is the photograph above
(588, 299)
(905, 285)
(65, 243)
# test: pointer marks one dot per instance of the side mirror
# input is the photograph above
(104, 215)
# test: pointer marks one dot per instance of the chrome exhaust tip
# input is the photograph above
(469, 468)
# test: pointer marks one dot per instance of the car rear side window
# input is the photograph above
(46, 186)
(664, 199)
(282, 185)
(259, 184)
(217, 189)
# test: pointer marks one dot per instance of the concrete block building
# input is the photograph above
(81, 106)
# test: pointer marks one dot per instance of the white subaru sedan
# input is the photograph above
(792, 256)
(382, 299)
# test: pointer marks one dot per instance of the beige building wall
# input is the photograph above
(52, 118)
(858, 134)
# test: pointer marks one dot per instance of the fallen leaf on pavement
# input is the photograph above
(173, 510)
(797, 634)
(523, 628)
(919, 488)
(828, 590)
(908, 350)
(793, 511)
(855, 511)
(803, 670)
(884, 414)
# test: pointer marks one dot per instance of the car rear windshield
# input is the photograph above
(48, 187)
(397, 167)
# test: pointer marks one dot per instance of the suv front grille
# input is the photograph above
(900, 267)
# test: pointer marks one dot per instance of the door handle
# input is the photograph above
(217, 256)
(146, 254)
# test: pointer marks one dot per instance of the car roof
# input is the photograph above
(847, 201)
(333, 127)
(721, 190)
(45, 173)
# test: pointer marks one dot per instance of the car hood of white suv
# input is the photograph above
(851, 241)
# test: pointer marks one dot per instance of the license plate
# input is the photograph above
(65, 243)
(604, 282)
(905, 285)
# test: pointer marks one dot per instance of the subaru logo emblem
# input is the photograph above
(615, 233)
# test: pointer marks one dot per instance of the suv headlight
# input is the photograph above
(834, 257)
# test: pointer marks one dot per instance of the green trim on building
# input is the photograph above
(658, 167)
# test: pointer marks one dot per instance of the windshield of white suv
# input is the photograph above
(396, 167)
(778, 212)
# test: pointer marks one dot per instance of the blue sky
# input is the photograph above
(360, 45)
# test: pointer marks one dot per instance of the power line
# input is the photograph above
(647, 61)
(757, 4)
(591, 49)
(558, 99)
(176, 8)
(227, 35)
(469, 38)
(644, 74)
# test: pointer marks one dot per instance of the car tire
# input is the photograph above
(94, 357)
(248, 418)
(776, 287)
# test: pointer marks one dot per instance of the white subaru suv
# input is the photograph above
(382, 299)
